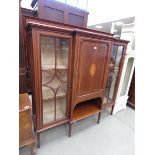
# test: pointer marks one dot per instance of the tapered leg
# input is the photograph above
(99, 116)
(38, 140)
(112, 109)
(33, 148)
(70, 129)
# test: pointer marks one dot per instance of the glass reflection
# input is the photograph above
(54, 60)
(116, 55)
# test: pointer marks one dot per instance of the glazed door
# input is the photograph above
(114, 71)
(91, 67)
(54, 53)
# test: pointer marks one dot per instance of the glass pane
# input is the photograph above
(54, 58)
(113, 55)
(62, 53)
(116, 55)
(119, 55)
(61, 108)
(48, 111)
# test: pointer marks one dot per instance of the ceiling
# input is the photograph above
(107, 26)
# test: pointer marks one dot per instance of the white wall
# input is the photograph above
(26, 4)
(101, 11)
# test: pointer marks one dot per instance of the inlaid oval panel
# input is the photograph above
(92, 69)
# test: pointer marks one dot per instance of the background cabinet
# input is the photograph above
(128, 68)
(131, 99)
(60, 12)
(26, 137)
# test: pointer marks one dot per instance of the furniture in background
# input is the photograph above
(69, 71)
(22, 60)
(26, 137)
(60, 12)
(131, 94)
(128, 68)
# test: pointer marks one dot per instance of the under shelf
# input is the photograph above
(85, 109)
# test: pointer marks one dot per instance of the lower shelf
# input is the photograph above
(85, 109)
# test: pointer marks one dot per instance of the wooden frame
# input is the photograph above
(124, 45)
(36, 77)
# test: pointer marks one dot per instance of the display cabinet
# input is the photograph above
(68, 67)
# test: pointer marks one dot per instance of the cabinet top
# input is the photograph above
(32, 22)
(24, 102)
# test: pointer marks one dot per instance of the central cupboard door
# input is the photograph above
(54, 77)
(92, 65)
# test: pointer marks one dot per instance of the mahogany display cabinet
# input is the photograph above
(69, 70)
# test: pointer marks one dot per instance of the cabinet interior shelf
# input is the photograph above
(57, 97)
(52, 67)
(85, 109)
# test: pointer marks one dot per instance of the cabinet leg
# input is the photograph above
(33, 148)
(70, 129)
(38, 140)
(99, 116)
(112, 109)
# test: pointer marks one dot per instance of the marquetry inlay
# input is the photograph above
(92, 69)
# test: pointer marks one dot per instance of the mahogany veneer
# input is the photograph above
(87, 58)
